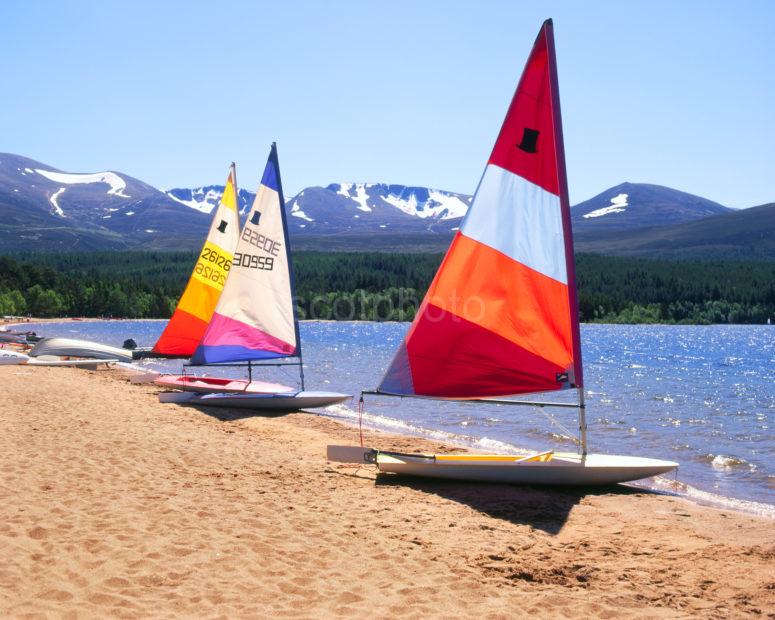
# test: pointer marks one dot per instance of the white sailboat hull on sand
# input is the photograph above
(258, 402)
(71, 347)
(8, 357)
(55, 360)
(564, 469)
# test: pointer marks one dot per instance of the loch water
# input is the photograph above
(700, 395)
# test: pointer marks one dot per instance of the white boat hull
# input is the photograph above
(565, 469)
(216, 385)
(12, 357)
(70, 347)
(53, 360)
(259, 402)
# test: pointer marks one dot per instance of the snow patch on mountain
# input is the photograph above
(53, 201)
(200, 200)
(437, 204)
(361, 195)
(117, 184)
(414, 201)
(618, 205)
(296, 212)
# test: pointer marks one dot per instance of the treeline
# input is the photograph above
(380, 286)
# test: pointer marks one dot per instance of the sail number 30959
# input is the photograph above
(265, 263)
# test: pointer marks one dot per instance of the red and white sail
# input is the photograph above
(500, 316)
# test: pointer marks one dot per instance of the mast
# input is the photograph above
(273, 156)
(236, 187)
(570, 262)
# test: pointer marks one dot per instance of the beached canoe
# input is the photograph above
(70, 347)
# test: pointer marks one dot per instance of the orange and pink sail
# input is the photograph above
(200, 297)
(500, 317)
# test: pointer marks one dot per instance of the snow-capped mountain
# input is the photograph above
(357, 207)
(205, 198)
(42, 207)
(630, 206)
(351, 207)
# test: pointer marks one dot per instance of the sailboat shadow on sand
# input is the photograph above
(543, 508)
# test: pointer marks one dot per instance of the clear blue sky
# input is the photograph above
(679, 93)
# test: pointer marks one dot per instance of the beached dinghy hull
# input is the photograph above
(258, 402)
(217, 385)
(564, 469)
(55, 360)
(70, 347)
(8, 357)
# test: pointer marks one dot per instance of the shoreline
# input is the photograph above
(676, 487)
(143, 509)
(16, 321)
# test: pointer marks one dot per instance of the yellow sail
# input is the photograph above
(197, 304)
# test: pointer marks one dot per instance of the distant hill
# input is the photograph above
(743, 234)
(629, 206)
(44, 208)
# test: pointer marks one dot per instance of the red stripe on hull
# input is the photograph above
(451, 357)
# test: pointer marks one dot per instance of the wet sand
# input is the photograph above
(112, 504)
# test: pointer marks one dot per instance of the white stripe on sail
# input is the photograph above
(519, 219)
(258, 289)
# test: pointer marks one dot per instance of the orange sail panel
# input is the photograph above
(197, 304)
(500, 317)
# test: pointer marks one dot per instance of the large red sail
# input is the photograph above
(500, 317)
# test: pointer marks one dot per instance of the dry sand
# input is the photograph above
(112, 504)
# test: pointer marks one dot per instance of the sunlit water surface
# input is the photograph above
(700, 395)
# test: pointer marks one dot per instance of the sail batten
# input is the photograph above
(255, 317)
(499, 318)
(200, 297)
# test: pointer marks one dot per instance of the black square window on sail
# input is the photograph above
(529, 142)
(222, 226)
(255, 217)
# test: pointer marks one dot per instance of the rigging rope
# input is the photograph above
(360, 418)
(559, 425)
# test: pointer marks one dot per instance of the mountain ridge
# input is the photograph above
(57, 211)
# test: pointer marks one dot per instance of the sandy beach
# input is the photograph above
(112, 504)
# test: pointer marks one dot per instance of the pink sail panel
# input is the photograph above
(500, 316)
